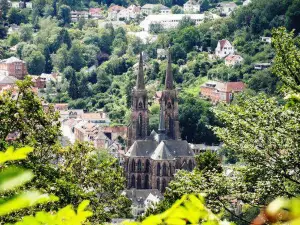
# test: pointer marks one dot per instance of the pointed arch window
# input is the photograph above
(139, 166)
(190, 165)
(163, 186)
(140, 125)
(171, 127)
(158, 169)
(140, 105)
(146, 186)
(147, 168)
(133, 166)
(158, 183)
(170, 167)
(132, 181)
(165, 170)
(139, 182)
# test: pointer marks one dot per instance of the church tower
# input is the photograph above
(169, 103)
(138, 129)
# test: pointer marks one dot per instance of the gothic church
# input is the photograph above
(152, 160)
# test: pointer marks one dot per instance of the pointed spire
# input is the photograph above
(169, 73)
(140, 83)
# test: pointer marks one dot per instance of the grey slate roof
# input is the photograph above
(165, 150)
(140, 195)
(162, 152)
(7, 79)
(142, 148)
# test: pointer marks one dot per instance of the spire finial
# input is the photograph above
(140, 83)
(169, 73)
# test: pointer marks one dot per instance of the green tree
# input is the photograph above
(176, 9)
(13, 39)
(194, 117)
(186, 21)
(64, 15)
(73, 86)
(26, 32)
(15, 16)
(76, 56)
(205, 5)
(35, 63)
(4, 6)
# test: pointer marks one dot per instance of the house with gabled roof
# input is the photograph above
(226, 8)
(233, 60)
(224, 48)
(218, 91)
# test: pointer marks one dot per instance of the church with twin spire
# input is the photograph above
(152, 159)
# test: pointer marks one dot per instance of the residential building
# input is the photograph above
(13, 28)
(130, 13)
(85, 131)
(96, 13)
(76, 15)
(152, 160)
(97, 118)
(142, 199)
(191, 6)
(146, 37)
(226, 8)
(7, 82)
(172, 20)
(261, 66)
(21, 5)
(218, 91)
(224, 48)
(247, 2)
(200, 148)
(161, 53)
(233, 60)
(52, 77)
(266, 39)
(150, 9)
(61, 106)
(13, 67)
(38, 82)
(113, 12)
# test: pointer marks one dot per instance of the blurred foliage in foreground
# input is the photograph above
(12, 177)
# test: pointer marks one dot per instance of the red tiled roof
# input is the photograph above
(232, 57)
(223, 42)
(115, 8)
(95, 10)
(235, 86)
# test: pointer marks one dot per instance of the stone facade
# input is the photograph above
(13, 67)
(151, 161)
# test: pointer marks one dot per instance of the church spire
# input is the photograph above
(169, 73)
(140, 83)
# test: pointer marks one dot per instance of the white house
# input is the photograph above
(232, 60)
(130, 13)
(266, 39)
(247, 2)
(76, 15)
(172, 20)
(113, 12)
(142, 199)
(226, 8)
(148, 9)
(191, 6)
(224, 48)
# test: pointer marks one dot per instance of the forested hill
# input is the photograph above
(97, 62)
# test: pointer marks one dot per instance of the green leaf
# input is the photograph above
(24, 200)
(11, 154)
(14, 177)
